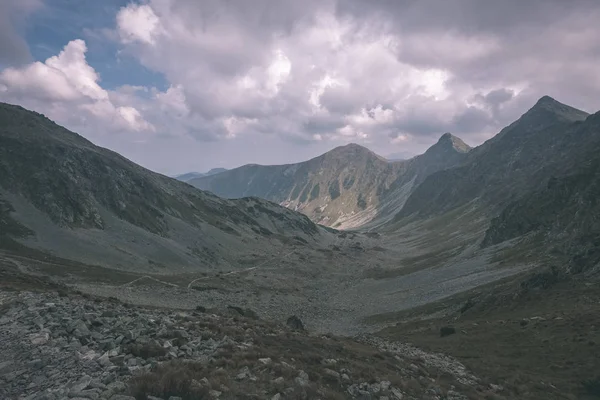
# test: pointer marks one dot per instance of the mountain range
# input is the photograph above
(346, 187)
(465, 251)
(61, 194)
(536, 176)
(534, 173)
(192, 175)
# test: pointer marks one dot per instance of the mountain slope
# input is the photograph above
(566, 210)
(502, 169)
(62, 194)
(344, 188)
(192, 175)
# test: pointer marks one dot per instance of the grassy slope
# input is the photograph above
(537, 335)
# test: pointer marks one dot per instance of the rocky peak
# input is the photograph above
(448, 143)
(350, 151)
(548, 110)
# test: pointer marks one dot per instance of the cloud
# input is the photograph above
(390, 74)
(66, 85)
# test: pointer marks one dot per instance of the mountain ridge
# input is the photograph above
(344, 188)
(520, 146)
(56, 187)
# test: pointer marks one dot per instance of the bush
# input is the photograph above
(148, 350)
(173, 379)
(447, 331)
(592, 386)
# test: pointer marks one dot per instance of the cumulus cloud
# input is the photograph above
(66, 85)
(391, 74)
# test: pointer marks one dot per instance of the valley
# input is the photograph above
(455, 226)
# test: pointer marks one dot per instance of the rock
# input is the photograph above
(175, 398)
(496, 388)
(117, 387)
(302, 379)
(331, 373)
(264, 361)
(79, 329)
(447, 331)
(385, 385)
(214, 394)
(398, 395)
(122, 397)
(39, 339)
(295, 323)
(82, 384)
(244, 374)
(345, 378)
(104, 360)
(276, 397)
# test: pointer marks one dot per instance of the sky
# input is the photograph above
(190, 85)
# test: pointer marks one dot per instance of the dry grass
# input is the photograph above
(288, 353)
(539, 343)
(147, 350)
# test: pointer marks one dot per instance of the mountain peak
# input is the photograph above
(546, 107)
(351, 150)
(449, 142)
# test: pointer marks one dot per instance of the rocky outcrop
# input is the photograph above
(57, 346)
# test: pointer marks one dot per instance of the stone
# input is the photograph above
(331, 373)
(276, 397)
(302, 379)
(39, 339)
(104, 360)
(295, 323)
(264, 361)
(496, 388)
(82, 384)
(122, 397)
(243, 374)
(398, 395)
(278, 381)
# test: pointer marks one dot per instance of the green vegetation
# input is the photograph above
(314, 193)
(334, 189)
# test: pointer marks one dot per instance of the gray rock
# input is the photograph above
(397, 394)
(278, 381)
(302, 379)
(39, 339)
(331, 373)
(82, 384)
(245, 374)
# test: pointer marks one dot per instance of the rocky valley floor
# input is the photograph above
(57, 344)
